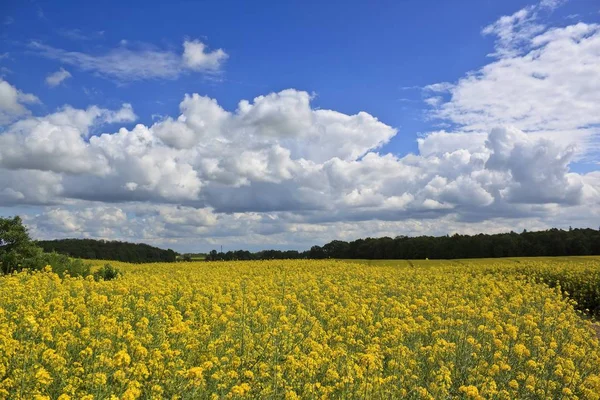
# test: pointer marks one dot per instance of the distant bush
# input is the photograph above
(107, 273)
(63, 265)
(60, 264)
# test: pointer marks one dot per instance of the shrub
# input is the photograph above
(107, 273)
(61, 264)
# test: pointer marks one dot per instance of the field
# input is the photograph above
(480, 329)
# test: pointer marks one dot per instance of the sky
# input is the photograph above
(195, 125)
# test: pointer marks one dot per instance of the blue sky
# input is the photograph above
(348, 57)
(354, 56)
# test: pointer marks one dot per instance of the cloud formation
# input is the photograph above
(127, 64)
(277, 157)
(276, 171)
(13, 101)
(545, 81)
(56, 78)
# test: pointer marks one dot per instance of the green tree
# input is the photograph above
(17, 250)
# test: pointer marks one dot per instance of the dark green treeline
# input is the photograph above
(553, 242)
(108, 250)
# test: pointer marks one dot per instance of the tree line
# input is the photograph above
(17, 250)
(108, 250)
(552, 242)
(259, 255)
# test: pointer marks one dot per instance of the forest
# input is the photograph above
(108, 250)
(552, 242)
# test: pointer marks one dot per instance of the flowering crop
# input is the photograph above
(300, 329)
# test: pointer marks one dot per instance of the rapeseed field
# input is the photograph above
(304, 329)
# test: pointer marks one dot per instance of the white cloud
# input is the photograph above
(30, 187)
(201, 118)
(273, 139)
(538, 168)
(56, 142)
(121, 222)
(12, 102)
(514, 31)
(277, 154)
(552, 4)
(439, 87)
(126, 64)
(98, 222)
(56, 78)
(124, 114)
(316, 135)
(434, 101)
(442, 141)
(197, 58)
(545, 82)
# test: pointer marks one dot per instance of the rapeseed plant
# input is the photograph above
(300, 329)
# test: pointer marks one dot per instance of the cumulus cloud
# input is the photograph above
(127, 64)
(56, 78)
(30, 187)
(12, 102)
(98, 222)
(239, 174)
(274, 138)
(276, 154)
(57, 142)
(121, 222)
(545, 81)
(198, 58)
(539, 169)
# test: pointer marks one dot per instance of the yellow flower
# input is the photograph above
(133, 391)
(304, 329)
(122, 358)
(99, 378)
(195, 373)
(470, 391)
(43, 377)
(521, 350)
(567, 392)
(240, 390)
